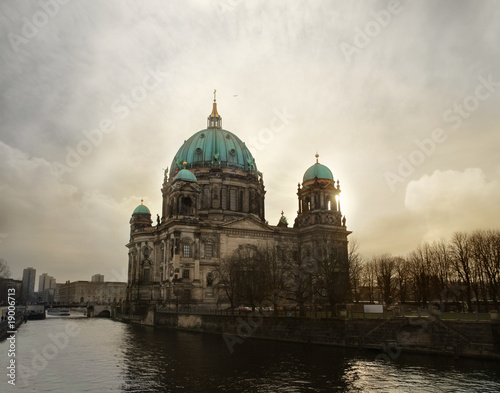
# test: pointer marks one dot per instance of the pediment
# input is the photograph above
(249, 224)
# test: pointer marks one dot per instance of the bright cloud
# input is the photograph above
(450, 201)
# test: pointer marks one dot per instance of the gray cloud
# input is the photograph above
(62, 82)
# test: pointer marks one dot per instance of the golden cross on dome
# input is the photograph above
(142, 200)
(214, 94)
(317, 156)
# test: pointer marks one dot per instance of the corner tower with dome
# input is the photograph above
(213, 205)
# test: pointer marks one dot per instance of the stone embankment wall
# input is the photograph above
(427, 335)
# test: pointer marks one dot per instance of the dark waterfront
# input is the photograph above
(100, 355)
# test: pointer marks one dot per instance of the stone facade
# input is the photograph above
(86, 292)
(389, 337)
(213, 204)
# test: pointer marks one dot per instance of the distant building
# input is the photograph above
(46, 282)
(29, 275)
(48, 296)
(86, 292)
(98, 278)
(47, 289)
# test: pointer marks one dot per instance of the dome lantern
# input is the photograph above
(214, 120)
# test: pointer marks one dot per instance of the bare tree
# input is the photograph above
(4, 269)
(369, 280)
(251, 275)
(402, 278)
(226, 281)
(442, 268)
(420, 265)
(485, 250)
(461, 259)
(385, 270)
(331, 279)
(273, 262)
(355, 269)
(299, 266)
(4, 273)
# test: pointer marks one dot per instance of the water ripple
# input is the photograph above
(108, 356)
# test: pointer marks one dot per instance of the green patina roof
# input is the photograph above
(186, 175)
(213, 147)
(318, 171)
(141, 209)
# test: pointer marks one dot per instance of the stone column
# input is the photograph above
(246, 198)
(197, 270)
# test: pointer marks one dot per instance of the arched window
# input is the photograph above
(186, 250)
(308, 204)
(328, 203)
(186, 206)
(206, 198)
(147, 275)
(209, 250)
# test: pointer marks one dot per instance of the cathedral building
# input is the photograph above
(213, 204)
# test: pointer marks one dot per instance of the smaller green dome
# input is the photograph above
(141, 209)
(318, 171)
(186, 175)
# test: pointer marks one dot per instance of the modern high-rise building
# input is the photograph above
(29, 275)
(46, 282)
(98, 278)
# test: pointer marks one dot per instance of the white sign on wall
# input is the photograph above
(373, 309)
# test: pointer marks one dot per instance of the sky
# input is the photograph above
(399, 98)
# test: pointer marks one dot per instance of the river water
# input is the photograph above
(77, 354)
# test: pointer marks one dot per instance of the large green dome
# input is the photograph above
(214, 147)
(318, 171)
